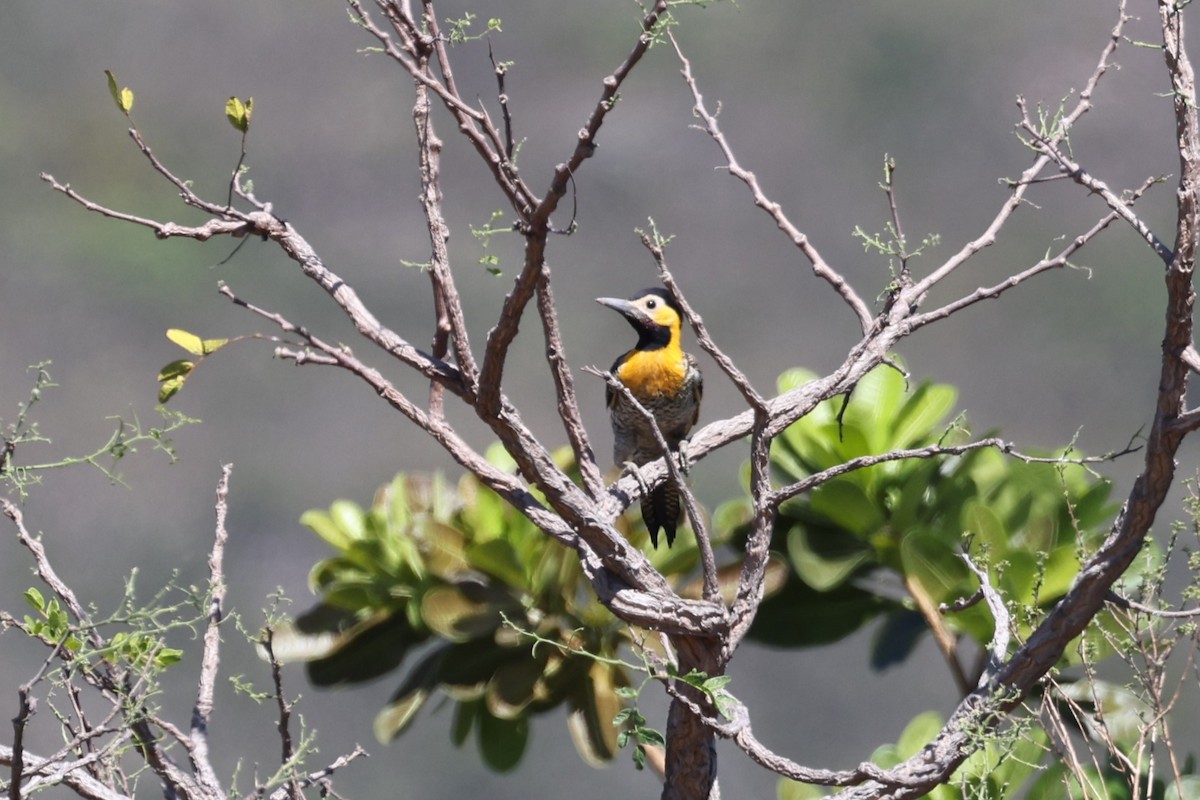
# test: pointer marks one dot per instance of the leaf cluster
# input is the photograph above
(453, 583)
(887, 540)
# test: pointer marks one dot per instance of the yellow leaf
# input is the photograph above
(170, 387)
(213, 345)
(188, 341)
(123, 97)
(238, 113)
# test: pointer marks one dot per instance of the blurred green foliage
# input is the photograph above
(1020, 761)
(887, 540)
(485, 609)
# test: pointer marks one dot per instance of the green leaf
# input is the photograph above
(918, 733)
(594, 707)
(498, 559)
(123, 97)
(791, 790)
(392, 720)
(167, 656)
(365, 651)
(323, 525)
(176, 370)
(800, 616)
(239, 113)
(848, 506)
(466, 611)
(982, 522)
(933, 563)
(34, 598)
(1188, 786)
(874, 405)
(512, 687)
(825, 559)
(927, 407)
(502, 741)
(170, 387)
(1060, 570)
(465, 714)
(188, 341)
(213, 345)
(350, 518)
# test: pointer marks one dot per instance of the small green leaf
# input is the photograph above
(170, 388)
(651, 736)
(168, 656)
(188, 341)
(826, 558)
(172, 377)
(176, 369)
(398, 713)
(35, 599)
(918, 733)
(213, 345)
(239, 113)
(716, 683)
(322, 524)
(123, 97)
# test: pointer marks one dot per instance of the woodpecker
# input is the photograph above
(667, 382)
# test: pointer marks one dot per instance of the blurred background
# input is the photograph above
(812, 97)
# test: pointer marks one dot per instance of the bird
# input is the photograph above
(668, 383)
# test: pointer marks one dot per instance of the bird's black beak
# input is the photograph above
(636, 316)
(624, 306)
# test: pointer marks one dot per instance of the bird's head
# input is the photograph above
(653, 313)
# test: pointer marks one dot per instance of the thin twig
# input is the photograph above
(283, 724)
(1061, 259)
(998, 648)
(1133, 605)
(820, 267)
(564, 388)
(313, 778)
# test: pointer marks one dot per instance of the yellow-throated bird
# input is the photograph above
(668, 383)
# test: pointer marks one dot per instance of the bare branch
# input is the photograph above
(753, 398)
(321, 775)
(1019, 187)
(1061, 259)
(287, 750)
(211, 658)
(450, 318)
(536, 225)
(820, 267)
(564, 388)
(1165, 613)
(930, 451)
(1094, 185)
(73, 775)
(998, 649)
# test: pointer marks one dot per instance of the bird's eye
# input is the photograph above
(651, 304)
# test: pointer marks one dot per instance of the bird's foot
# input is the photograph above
(685, 464)
(630, 468)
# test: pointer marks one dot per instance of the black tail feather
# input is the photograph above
(660, 509)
